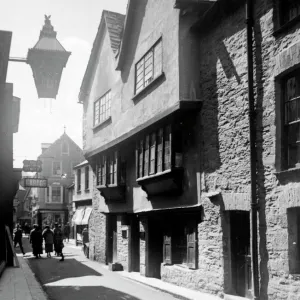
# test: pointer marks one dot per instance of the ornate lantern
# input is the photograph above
(47, 60)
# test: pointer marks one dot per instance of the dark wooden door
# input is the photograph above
(111, 238)
(240, 247)
(155, 247)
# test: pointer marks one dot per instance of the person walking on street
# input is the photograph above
(18, 234)
(85, 241)
(49, 239)
(58, 241)
(36, 240)
(67, 232)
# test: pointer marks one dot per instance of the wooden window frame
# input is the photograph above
(145, 153)
(286, 124)
(109, 167)
(102, 109)
(191, 236)
(283, 9)
(78, 175)
(87, 178)
(60, 168)
(154, 64)
(58, 188)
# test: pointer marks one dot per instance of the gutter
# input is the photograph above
(252, 139)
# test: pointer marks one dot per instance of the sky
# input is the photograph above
(76, 23)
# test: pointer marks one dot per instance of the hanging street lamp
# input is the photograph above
(47, 60)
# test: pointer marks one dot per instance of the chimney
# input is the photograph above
(45, 146)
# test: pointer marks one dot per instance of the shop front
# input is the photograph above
(80, 220)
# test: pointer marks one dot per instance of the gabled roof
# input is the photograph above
(114, 23)
(127, 26)
(64, 136)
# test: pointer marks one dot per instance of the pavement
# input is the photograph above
(79, 278)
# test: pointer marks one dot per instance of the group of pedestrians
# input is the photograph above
(53, 239)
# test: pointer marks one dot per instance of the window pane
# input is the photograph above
(157, 59)
(146, 159)
(293, 144)
(141, 161)
(96, 112)
(290, 10)
(159, 150)
(167, 148)
(152, 153)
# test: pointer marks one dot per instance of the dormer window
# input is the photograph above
(149, 67)
(65, 148)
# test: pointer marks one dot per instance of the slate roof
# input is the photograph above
(114, 24)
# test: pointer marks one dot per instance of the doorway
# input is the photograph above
(134, 245)
(155, 247)
(240, 253)
(112, 238)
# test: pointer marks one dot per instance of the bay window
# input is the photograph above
(154, 152)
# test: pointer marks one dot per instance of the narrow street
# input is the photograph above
(78, 278)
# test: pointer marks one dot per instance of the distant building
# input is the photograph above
(58, 160)
(82, 199)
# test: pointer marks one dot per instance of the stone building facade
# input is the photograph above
(58, 160)
(186, 218)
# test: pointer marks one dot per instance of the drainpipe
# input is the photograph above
(252, 133)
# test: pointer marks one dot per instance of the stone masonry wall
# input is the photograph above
(122, 245)
(97, 229)
(225, 138)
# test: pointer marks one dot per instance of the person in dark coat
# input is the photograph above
(85, 241)
(18, 234)
(36, 240)
(49, 240)
(67, 231)
(58, 241)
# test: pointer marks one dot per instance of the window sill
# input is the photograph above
(181, 267)
(286, 26)
(102, 124)
(288, 171)
(86, 190)
(167, 183)
(145, 89)
(78, 192)
(154, 175)
(288, 175)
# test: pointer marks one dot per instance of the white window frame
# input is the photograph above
(102, 109)
(149, 67)
(51, 193)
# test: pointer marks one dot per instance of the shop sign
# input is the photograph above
(36, 182)
(32, 165)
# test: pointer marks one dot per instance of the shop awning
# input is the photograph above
(87, 213)
(78, 215)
